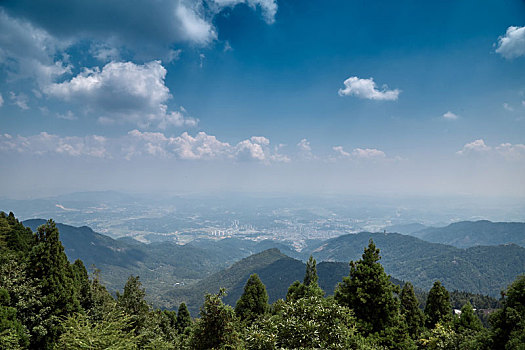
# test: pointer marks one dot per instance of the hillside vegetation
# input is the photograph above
(47, 303)
(467, 234)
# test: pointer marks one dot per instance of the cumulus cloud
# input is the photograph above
(508, 107)
(27, 51)
(340, 151)
(512, 44)
(1, 100)
(360, 153)
(45, 143)
(508, 151)
(475, 146)
(123, 91)
(511, 152)
(368, 153)
(150, 28)
(367, 89)
(450, 116)
(200, 147)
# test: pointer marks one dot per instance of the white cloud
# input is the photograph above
(147, 28)
(199, 147)
(508, 107)
(367, 89)
(450, 116)
(67, 116)
(512, 44)
(19, 100)
(368, 153)
(507, 151)
(1, 100)
(26, 51)
(104, 52)
(304, 145)
(340, 151)
(511, 152)
(45, 143)
(194, 27)
(360, 153)
(124, 91)
(474, 147)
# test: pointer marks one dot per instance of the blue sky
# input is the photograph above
(365, 97)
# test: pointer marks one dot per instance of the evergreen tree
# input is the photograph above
(310, 276)
(217, 327)
(467, 320)
(508, 323)
(437, 308)
(48, 265)
(133, 303)
(183, 318)
(309, 287)
(369, 292)
(83, 285)
(409, 307)
(254, 300)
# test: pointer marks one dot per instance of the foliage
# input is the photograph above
(113, 332)
(49, 265)
(183, 318)
(217, 327)
(254, 301)
(369, 292)
(309, 287)
(437, 308)
(307, 323)
(409, 308)
(12, 332)
(509, 322)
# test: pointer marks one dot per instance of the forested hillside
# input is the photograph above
(47, 302)
(466, 234)
(484, 269)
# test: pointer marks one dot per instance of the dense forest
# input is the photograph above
(46, 302)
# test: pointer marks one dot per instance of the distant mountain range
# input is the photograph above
(465, 234)
(482, 269)
(172, 273)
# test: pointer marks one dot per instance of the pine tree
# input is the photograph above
(310, 276)
(254, 300)
(508, 323)
(183, 318)
(133, 303)
(409, 307)
(83, 285)
(438, 309)
(49, 265)
(467, 320)
(309, 287)
(217, 327)
(369, 292)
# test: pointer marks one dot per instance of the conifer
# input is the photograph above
(437, 308)
(369, 292)
(254, 300)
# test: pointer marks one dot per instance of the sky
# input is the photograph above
(351, 97)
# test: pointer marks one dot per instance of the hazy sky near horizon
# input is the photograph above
(358, 97)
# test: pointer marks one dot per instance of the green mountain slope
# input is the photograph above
(467, 234)
(485, 270)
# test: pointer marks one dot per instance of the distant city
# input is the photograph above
(295, 219)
